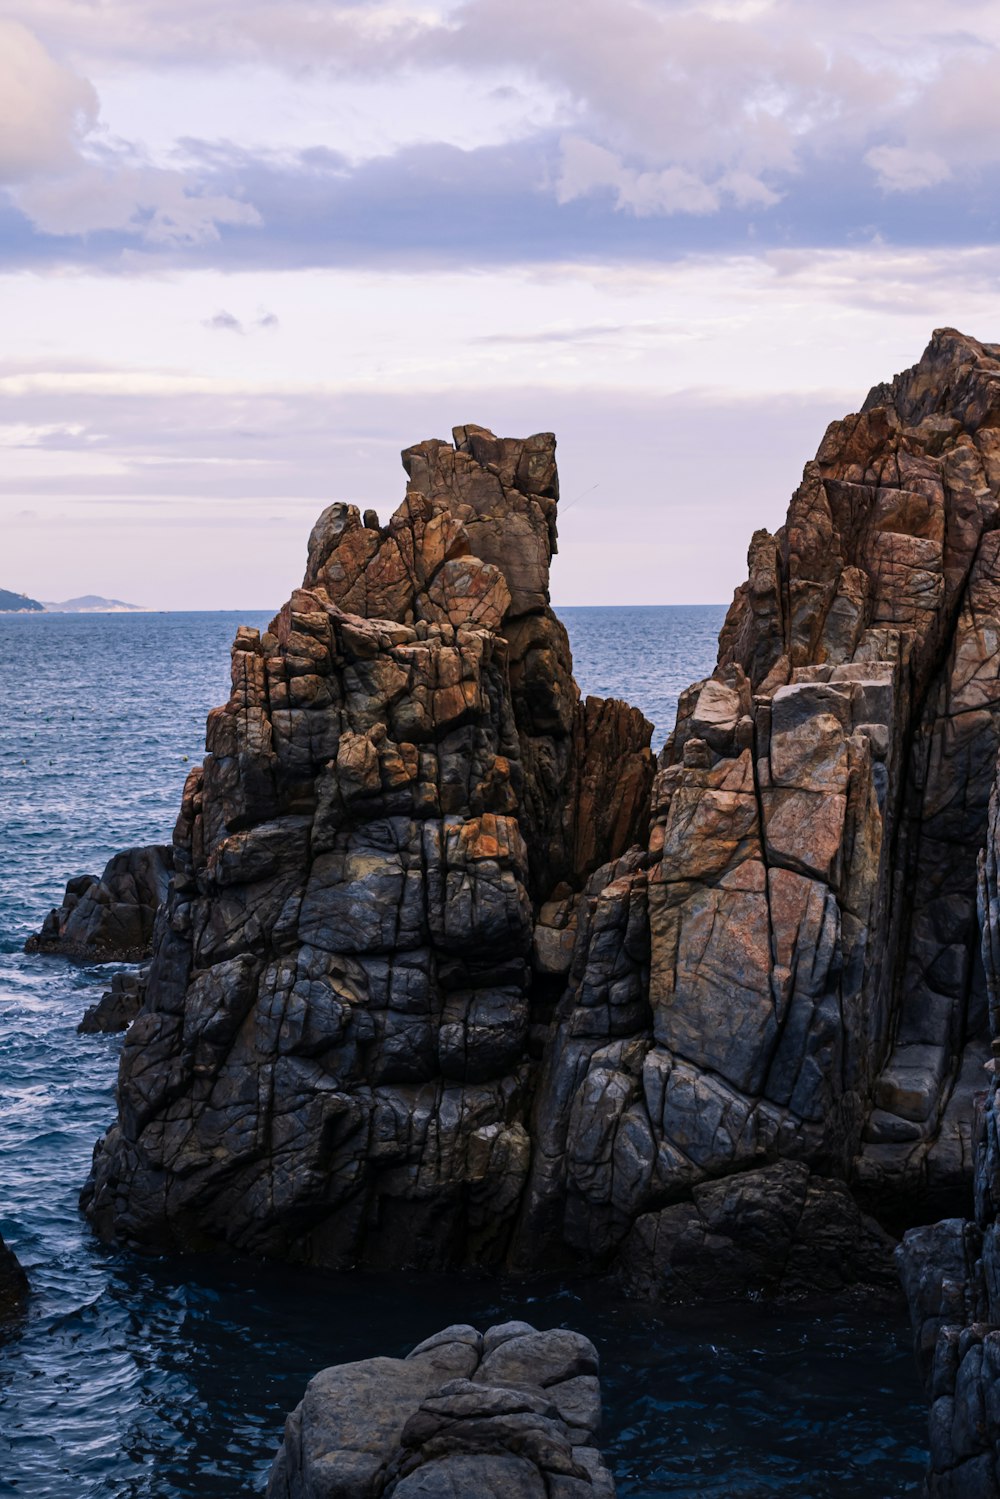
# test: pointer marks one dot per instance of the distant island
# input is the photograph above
(87, 603)
(93, 603)
(19, 603)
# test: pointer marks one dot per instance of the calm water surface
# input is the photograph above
(169, 1379)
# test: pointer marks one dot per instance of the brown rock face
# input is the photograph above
(410, 838)
(111, 919)
(791, 968)
(337, 1054)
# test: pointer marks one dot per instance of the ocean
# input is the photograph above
(169, 1378)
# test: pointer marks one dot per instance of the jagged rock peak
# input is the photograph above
(471, 541)
(374, 901)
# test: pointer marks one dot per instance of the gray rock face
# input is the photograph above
(513, 1414)
(337, 1054)
(790, 970)
(111, 919)
(439, 982)
(118, 1006)
(951, 1270)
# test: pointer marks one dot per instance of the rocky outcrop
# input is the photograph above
(509, 1414)
(337, 1056)
(111, 919)
(117, 1006)
(13, 1287)
(428, 990)
(951, 1270)
(790, 969)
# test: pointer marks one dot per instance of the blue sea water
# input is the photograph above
(169, 1379)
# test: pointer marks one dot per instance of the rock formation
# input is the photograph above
(111, 919)
(951, 1270)
(427, 992)
(337, 1054)
(790, 969)
(509, 1414)
(13, 1287)
(117, 1006)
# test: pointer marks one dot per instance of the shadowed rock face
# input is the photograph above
(13, 1289)
(512, 1413)
(111, 919)
(790, 969)
(337, 1054)
(951, 1270)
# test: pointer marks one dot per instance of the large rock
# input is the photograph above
(111, 919)
(790, 969)
(426, 991)
(337, 1055)
(512, 1414)
(951, 1270)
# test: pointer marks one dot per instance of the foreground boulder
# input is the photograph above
(346, 1009)
(509, 1414)
(111, 919)
(13, 1287)
(441, 982)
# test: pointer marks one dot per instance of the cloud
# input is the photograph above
(45, 108)
(225, 322)
(901, 170)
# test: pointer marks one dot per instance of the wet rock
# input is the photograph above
(513, 1414)
(337, 1053)
(117, 1006)
(111, 919)
(13, 1287)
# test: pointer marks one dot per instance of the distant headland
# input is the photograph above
(87, 603)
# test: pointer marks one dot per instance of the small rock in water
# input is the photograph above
(452, 1421)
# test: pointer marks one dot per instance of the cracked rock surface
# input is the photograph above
(337, 1053)
(441, 980)
(512, 1413)
(790, 969)
(111, 919)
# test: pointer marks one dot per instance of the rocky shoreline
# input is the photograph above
(450, 972)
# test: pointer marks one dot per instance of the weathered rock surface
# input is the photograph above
(510, 1414)
(117, 1006)
(790, 969)
(951, 1270)
(13, 1287)
(111, 919)
(426, 991)
(337, 1055)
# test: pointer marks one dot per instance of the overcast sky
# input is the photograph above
(251, 250)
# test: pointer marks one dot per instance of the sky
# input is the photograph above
(249, 251)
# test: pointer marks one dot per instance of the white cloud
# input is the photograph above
(902, 170)
(45, 108)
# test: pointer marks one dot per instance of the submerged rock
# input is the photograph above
(510, 1414)
(111, 919)
(427, 991)
(117, 1006)
(14, 1287)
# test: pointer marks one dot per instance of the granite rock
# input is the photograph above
(336, 1058)
(512, 1414)
(789, 970)
(111, 919)
(117, 1006)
